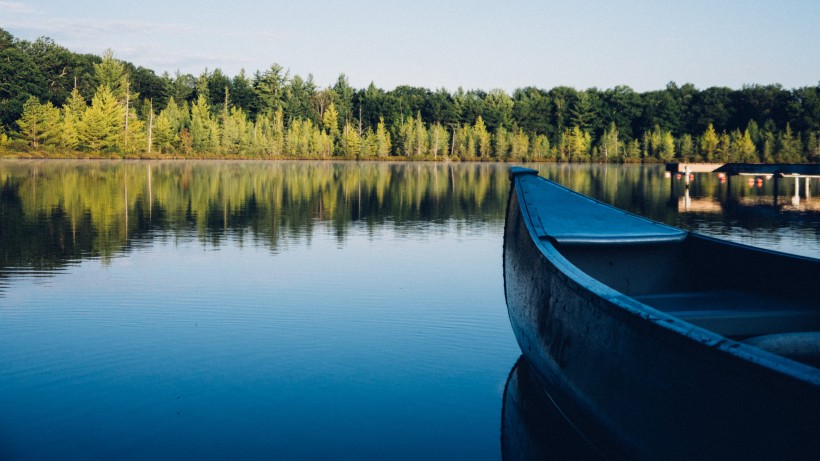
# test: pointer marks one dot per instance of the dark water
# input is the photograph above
(289, 310)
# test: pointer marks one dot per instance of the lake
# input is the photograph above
(290, 310)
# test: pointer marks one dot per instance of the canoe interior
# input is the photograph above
(731, 290)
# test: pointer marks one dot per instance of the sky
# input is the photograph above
(434, 44)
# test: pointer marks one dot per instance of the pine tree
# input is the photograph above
(501, 143)
(610, 144)
(351, 141)
(439, 140)
(743, 149)
(541, 147)
(709, 143)
(235, 131)
(687, 148)
(383, 144)
(579, 143)
(723, 153)
(406, 137)
(135, 138)
(789, 148)
(111, 73)
(102, 123)
(520, 145)
(39, 123)
(482, 138)
(278, 133)
(667, 149)
(421, 139)
(330, 120)
(69, 137)
(202, 134)
(72, 113)
(633, 151)
(813, 147)
(164, 137)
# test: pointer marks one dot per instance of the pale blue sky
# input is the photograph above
(446, 44)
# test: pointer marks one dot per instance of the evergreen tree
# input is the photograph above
(343, 98)
(69, 136)
(580, 142)
(330, 120)
(581, 112)
(350, 142)
(501, 143)
(687, 148)
(745, 148)
(439, 140)
(103, 122)
(422, 139)
(111, 74)
(723, 153)
(789, 149)
(482, 137)
(813, 147)
(164, 137)
(269, 88)
(633, 151)
(498, 108)
(39, 124)
(709, 143)
(519, 145)
(541, 148)
(383, 144)
(235, 131)
(667, 148)
(136, 138)
(767, 155)
(610, 144)
(202, 133)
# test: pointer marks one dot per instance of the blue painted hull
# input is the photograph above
(612, 328)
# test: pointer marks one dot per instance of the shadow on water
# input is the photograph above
(533, 427)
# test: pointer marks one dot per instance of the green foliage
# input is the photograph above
(709, 143)
(39, 124)
(204, 132)
(268, 116)
(111, 74)
(482, 138)
(103, 123)
(330, 120)
(611, 144)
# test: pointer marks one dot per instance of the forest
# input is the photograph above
(57, 103)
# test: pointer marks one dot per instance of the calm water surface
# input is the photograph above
(290, 310)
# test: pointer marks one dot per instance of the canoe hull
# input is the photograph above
(637, 386)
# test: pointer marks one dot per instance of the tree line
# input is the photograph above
(55, 102)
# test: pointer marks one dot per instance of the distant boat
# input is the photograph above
(660, 343)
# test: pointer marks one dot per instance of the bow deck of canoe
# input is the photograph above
(658, 342)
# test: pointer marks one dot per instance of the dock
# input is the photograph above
(762, 171)
(781, 170)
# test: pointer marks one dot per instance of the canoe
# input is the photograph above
(661, 343)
